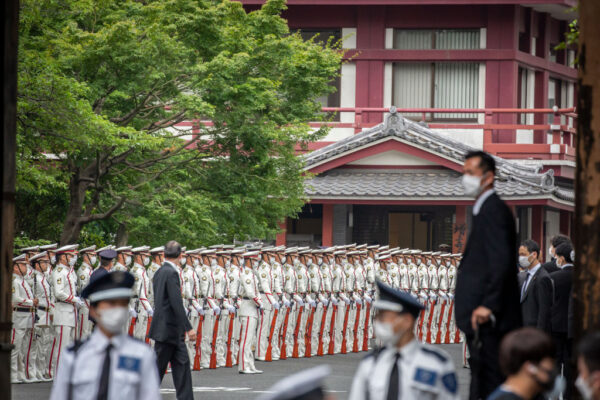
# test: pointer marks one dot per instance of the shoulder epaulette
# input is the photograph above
(374, 353)
(440, 356)
(75, 346)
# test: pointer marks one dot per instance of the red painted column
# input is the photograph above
(501, 76)
(459, 229)
(370, 34)
(280, 239)
(537, 225)
(565, 223)
(327, 227)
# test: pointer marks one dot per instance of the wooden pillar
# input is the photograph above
(327, 227)
(280, 240)
(537, 225)
(7, 218)
(459, 229)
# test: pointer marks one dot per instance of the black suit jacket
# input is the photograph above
(562, 308)
(170, 321)
(550, 266)
(537, 301)
(487, 274)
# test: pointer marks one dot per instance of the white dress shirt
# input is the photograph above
(481, 199)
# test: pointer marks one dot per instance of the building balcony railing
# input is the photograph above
(499, 129)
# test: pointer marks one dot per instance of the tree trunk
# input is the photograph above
(72, 226)
(586, 283)
(122, 235)
(9, 108)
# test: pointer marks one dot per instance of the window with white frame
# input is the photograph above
(437, 85)
(436, 39)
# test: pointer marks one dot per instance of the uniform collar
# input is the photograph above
(98, 340)
(407, 351)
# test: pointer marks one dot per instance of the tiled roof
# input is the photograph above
(394, 184)
(514, 180)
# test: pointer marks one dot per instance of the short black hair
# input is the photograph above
(558, 240)
(564, 250)
(486, 161)
(172, 249)
(523, 345)
(589, 350)
(105, 261)
(531, 246)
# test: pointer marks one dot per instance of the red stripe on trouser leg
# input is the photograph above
(244, 345)
(28, 351)
(51, 355)
(59, 346)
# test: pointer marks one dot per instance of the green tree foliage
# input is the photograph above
(102, 86)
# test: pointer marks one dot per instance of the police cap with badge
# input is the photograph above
(110, 286)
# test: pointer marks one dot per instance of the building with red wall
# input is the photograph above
(460, 75)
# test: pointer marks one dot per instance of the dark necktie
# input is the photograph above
(394, 382)
(104, 377)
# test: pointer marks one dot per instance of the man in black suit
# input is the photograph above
(487, 293)
(170, 324)
(555, 241)
(562, 309)
(536, 288)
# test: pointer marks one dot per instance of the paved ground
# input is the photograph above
(227, 384)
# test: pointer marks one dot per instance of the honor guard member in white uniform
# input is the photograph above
(443, 297)
(318, 294)
(265, 285)
(212, 311)
(66, 301)
(277, 272)
(43, 337)
(302, 289)
(233, 275)
(339, 290)
(84, 273)
(326, 272)
(140, 302)
(124, 258)
(403, 368)
(24, 305)
(250, 309)
(109, 365)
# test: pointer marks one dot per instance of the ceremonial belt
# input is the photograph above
(23, 309)
(43, 308)
(247, 298)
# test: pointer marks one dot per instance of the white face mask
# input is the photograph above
(471, 185)
(93, 260)
(127, 260)
(524, 261)
(182, 261)
(227, 264)
(196, 262)
(284, 259)
(146, 260)
(213, 263)
(272, 260)
(385, 333)
(255, 264)
(72, 261)
(584, 388)
(448, 263)
(114, 319)
(53, 259)
(551, 252)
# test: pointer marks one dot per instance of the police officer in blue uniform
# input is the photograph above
(109, 365)
(402, 368)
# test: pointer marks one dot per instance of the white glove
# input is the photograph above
(324, 302)
(300, 303)
(150, 312)
(231, 309)
(78, 302)
(368, 299)
(347, 301)
(307, 305)
(276, 305)
(225, 311)
(359, 302)
(132, 312)
(334, 301)
(286, 303)
(201, 311)
(312, 303)
(216, 310)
